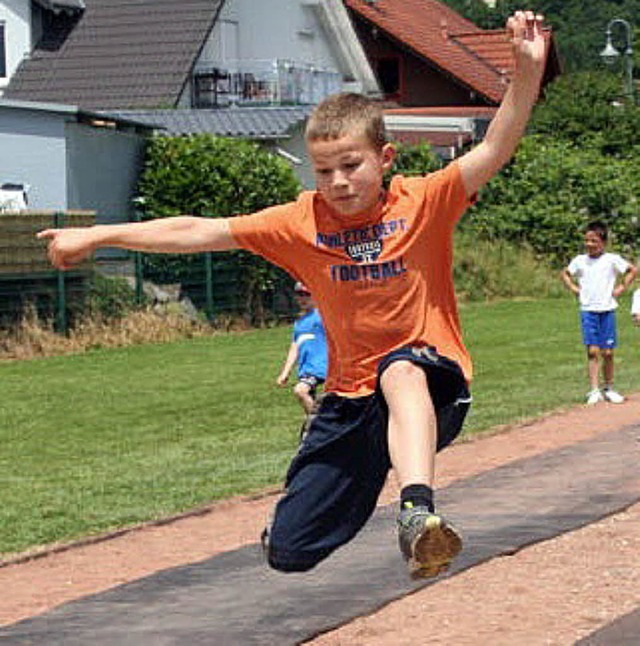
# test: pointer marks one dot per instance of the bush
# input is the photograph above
(486, 270)
(111, 298)
(215, 177)
(414, 160)
(551, 191)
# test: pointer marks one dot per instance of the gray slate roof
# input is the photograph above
(119, 53)
(252, 123)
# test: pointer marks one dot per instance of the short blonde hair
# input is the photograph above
(345, 114)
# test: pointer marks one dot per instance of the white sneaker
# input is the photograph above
(612, 396)
(594, 396)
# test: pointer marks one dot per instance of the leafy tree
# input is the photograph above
(478, 11)
(586, 109)
(579, 26)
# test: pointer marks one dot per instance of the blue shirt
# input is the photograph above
(309, 336)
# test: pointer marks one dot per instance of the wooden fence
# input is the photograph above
(27, 278)
(20, 252)
(214, 283)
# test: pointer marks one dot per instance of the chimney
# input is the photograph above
(443, 29)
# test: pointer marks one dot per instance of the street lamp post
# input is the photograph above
(611, 53)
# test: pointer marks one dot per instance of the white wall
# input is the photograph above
(33, 151)
(284, 29)
(16, 16)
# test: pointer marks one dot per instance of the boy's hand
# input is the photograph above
(282, 380)
(67, 247)
(636, 319)
(528, 41)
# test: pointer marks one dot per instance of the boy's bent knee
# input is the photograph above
(287, 561)
(301, 389)
(402, 370)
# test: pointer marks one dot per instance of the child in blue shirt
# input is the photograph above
(308, 349)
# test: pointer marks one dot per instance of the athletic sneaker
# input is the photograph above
(594, 396)
(427, 541)
(612, 396)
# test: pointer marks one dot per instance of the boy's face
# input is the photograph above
(594, 244)
(305, 301)
(349, 172)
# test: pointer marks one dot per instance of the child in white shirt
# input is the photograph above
(592, 277)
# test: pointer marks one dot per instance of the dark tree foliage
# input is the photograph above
(579, 25)
(580, 162)
(588, 109)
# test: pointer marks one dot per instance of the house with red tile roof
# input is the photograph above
(427, 56)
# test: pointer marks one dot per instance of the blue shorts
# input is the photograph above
(312, 381)
(599, 329)
(334, 481)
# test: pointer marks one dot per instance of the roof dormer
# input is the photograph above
(62, 6)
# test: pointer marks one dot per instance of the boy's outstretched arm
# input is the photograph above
(182, 234)
(479, 165)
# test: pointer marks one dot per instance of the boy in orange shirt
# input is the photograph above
(379, 265)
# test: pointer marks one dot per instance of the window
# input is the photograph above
(3, 53)
(388, 70)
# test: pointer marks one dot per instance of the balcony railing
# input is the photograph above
(273, 82)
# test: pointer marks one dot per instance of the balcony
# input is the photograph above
(266, 82)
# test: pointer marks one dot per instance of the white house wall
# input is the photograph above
(16, 16)
(277, 29)
(33, 152)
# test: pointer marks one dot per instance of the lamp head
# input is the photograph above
(609, 54)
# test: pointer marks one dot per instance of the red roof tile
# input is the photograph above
(492, 46)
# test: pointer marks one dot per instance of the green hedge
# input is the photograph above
(215, 177)
(551, 191)
(581, 162)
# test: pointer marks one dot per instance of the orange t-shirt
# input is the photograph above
(381, 281)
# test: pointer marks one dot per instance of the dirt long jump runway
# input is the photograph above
(554, 592)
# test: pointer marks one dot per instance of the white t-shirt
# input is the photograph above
(597, 279)
(635, 302)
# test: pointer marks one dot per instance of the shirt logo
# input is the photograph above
(364, 252)
(364, 247)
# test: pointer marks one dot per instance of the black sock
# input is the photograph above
(416, 495)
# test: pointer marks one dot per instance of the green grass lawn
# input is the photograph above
(111, 438)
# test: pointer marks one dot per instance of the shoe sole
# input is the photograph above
(434, 549)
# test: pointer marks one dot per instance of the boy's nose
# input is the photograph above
(339, 179)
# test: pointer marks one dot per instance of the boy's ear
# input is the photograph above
(388, 156)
